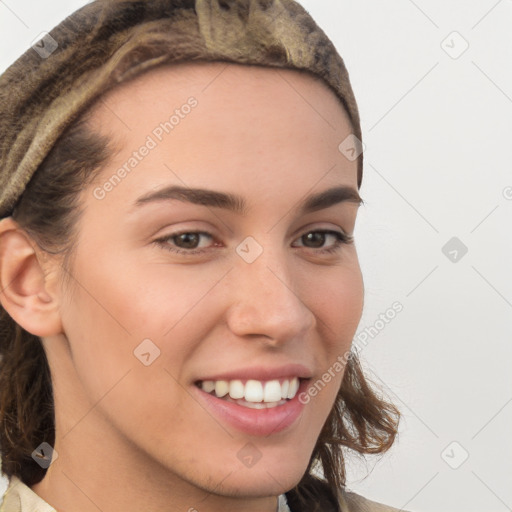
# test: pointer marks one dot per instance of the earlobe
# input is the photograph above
(25, 291)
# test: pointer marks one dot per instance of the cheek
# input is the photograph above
(122, 308)
(338, 302)
(140, 298)
(124, 304)
(337, 297)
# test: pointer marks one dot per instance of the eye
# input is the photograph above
(185, 242)
(189, 242)
(318, 238)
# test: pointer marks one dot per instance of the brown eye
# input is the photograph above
(317, 239)
(186, 242)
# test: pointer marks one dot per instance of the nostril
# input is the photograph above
(224, 5)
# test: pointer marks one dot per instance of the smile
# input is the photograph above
(254, 394)
(257, 407)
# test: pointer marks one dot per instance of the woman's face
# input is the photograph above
(172, 289)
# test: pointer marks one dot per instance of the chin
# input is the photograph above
(268, 478)
(265, 483)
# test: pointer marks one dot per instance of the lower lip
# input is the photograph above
(256, 422)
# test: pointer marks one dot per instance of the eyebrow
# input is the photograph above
(238, 205)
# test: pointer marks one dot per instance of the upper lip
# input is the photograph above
(263, 373)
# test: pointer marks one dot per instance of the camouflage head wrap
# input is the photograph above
(109, 41)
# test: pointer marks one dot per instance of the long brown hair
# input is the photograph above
(361, 420)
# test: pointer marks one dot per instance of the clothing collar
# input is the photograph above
(282, 504)
(19, 497)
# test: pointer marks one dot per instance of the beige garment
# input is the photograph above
(352, 502)
(21, 498)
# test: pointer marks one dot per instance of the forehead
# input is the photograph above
(224, 82)
(251, 127)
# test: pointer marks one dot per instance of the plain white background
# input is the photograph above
(433, 80)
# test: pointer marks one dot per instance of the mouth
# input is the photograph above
(255, 407)
(251, 393)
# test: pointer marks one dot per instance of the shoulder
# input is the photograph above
(316, 491)
(19, 497)
(356, 503)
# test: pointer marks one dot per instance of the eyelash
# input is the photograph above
(341, 239)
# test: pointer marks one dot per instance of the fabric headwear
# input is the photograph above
(109, 41)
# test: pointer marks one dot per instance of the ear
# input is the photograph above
(26, 285)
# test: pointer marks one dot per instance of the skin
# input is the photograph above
(131, 437)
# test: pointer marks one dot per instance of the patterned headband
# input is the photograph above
(109, 41)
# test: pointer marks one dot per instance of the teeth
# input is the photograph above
(208, 385)
(294, 387)
(284, 389)
(253, 391)
(271, 392)
(221, 388)
(255, 405)
(236, 389)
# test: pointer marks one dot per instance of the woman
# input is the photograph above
(180, 288)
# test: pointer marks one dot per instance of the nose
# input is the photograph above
(268, 300)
